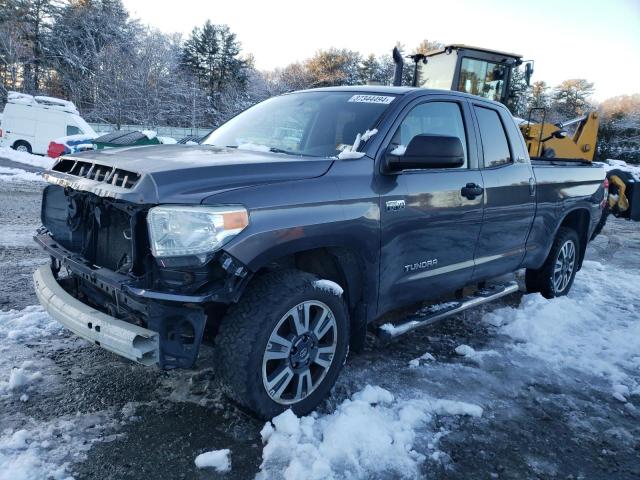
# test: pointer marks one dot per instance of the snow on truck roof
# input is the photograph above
(42, 102)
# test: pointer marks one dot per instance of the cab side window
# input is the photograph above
(494, 139)
(432, 118)
(73, 130)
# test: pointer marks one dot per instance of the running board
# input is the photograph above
(439, 311)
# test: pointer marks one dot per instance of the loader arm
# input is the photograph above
(545, 139)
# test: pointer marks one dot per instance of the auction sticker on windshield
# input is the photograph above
(371, 99)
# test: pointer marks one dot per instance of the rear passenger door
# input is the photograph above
(429, 228)
(509, 199)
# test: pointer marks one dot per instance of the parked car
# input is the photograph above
(70, 144)
(30, 123)
(282, 250)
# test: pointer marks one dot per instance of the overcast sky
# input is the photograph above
(596, 40)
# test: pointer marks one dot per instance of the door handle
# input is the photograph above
(472, 190)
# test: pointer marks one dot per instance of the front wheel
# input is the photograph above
(556, 276)
(283, 345)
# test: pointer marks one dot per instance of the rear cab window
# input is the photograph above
(495, 144)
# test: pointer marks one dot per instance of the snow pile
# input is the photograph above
(369, 435)
(30, 323)
(40, 450)
(399, 150)
(217, 459)
(16, 328)
(31, 448)
(474, 355)
(329, 286)
(21, 379)
(8, 174)
(595, 329)
(26, 158)
(167, 140)
(254, 147)
(349, 155)
(612, 164)
(351, 152)
(425, 357)
(150, 134)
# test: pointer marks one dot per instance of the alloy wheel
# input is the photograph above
(299, 352)
(563, 269)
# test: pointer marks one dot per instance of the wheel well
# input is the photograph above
(336, 264)
(579, 221)
(341, 266)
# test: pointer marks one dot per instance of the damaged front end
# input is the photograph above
(101, 256)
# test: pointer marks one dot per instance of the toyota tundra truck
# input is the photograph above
(293, 228)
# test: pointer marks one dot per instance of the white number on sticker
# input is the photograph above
(385, 99)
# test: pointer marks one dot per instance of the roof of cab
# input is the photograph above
(385, 89)
(363, 88)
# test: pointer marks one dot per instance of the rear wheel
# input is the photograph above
(22, 146)
(556, 276)
(283, 345)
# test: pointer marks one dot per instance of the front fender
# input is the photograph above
(326, 212)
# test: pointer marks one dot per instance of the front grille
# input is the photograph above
(100, 173)
(113, 247)
(90, 226)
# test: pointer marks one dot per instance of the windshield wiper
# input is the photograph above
(281, 150)
(269, 149)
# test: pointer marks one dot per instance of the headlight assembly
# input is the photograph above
(176, 230)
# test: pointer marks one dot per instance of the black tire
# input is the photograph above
(246, 330)
(542, 280)
(25, 146)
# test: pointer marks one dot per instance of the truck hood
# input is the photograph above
(178, 173)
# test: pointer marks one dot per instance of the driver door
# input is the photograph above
(429, 228)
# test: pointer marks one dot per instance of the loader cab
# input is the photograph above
(486, 73)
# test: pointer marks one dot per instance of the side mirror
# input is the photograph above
(427, 151)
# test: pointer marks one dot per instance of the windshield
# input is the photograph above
(319, 124)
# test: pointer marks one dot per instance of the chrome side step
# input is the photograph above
(433, 313)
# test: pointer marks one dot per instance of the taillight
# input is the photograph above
(0, 133)
(605, 187)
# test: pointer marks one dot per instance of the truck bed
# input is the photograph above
(563, 162)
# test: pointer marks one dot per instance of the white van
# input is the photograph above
(29, 123)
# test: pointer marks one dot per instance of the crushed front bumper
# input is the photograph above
(125, 339)
(175, 321)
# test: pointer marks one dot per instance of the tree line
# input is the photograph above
(118, 71)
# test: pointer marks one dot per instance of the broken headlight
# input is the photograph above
(176, 230)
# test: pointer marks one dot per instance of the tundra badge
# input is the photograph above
(421, 265)
(395, 205)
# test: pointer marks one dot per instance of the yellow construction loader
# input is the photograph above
(489, 73)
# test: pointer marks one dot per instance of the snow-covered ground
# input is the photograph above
(524, 388)
(26, 158)
(29, 447)
(594, 333)
(9, 174)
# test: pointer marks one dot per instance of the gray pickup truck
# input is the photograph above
(295, 226)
